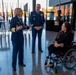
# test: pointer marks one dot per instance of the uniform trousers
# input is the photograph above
(17, 50)
(34, 34)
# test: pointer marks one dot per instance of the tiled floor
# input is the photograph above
(34, 62)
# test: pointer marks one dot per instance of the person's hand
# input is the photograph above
(19, 28)
(62, 45)
(31, 25)
(38, 27)
(56, 44)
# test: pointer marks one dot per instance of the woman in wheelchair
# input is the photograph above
(63, 39)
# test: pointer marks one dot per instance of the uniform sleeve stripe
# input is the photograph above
(13, 29)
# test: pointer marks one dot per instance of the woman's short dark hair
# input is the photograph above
(68, 26)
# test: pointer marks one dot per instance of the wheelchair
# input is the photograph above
(68, 59)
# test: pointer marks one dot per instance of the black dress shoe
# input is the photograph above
(49, 65)
(14, 69)
(47, 57)
(41, 51)
(32, 52)
(52, 65)
(22, 65)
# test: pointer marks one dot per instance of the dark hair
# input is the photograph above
(68, 26)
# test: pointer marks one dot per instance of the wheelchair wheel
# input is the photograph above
(69, 59)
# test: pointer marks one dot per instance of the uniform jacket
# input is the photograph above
(37, 19)
(16, 35)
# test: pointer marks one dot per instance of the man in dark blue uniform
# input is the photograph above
(37, 22)
(16, 26)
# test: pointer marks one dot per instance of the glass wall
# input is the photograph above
(66, 12)
(70, 12)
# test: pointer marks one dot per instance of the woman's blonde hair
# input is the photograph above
(17, 11)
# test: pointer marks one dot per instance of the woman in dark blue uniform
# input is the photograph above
(62, 41)
(16, 26)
